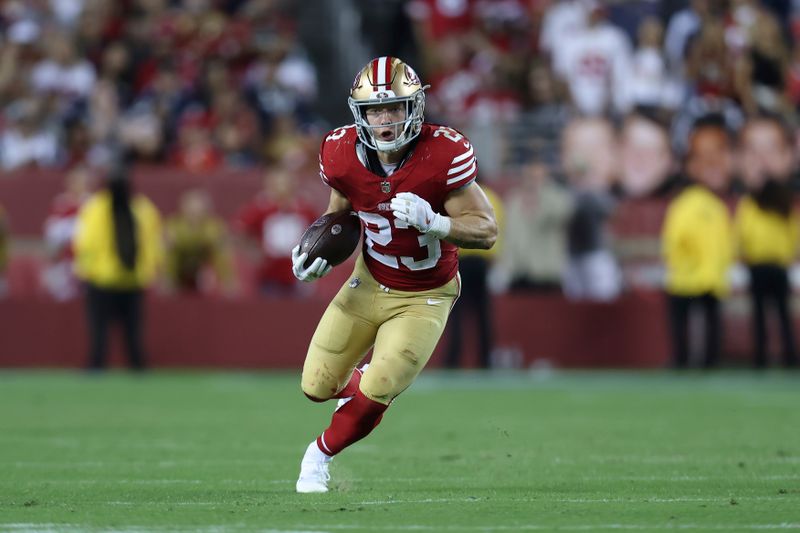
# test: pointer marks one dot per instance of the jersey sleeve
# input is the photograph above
(461, 164)
(327, 167)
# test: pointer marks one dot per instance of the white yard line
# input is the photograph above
(654, 499)
(575, 527)
(75, 528)
(722, 499)
(70, 528)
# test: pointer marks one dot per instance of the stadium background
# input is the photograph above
(215, 95)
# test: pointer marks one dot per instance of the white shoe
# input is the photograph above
(343, 401)
(314, 475)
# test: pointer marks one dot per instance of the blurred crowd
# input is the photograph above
(196, 84)
(573, 106)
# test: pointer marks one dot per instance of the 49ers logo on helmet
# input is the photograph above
(356, 82)
(411, 77)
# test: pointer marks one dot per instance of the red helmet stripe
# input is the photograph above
(375, 74)
(388, 78)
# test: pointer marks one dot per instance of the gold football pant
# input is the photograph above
(402, 327)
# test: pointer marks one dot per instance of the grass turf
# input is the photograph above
(457, 452)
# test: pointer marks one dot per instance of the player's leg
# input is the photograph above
(342, 338)
(403, 345)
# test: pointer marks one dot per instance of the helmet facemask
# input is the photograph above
(387, 80)
(406, 130)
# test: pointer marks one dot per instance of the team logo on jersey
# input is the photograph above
(386, 187)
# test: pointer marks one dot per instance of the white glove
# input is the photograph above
(415, 211)
(316, 270)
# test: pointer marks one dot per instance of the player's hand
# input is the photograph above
(318, 268)
(417, 212)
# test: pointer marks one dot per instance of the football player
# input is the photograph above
(413, 186)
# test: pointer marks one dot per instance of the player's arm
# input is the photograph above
(320, 266)
(472, 220)
(470, 224)
(337, 202)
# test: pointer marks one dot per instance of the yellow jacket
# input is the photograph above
(765, 236)
(697, 243)
(96, 259)
(499, 215)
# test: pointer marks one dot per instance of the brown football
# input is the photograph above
(332, 237)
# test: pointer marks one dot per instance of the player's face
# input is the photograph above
(385, 115)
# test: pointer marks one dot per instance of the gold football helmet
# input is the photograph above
(386, 80)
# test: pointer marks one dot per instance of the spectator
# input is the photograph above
(651, 85)
(762, 70)
(697, 242)
(768, 231)
(235, 129)
(118, 254)
(195, 150)
(271, 226)
(15, 54)
(595, 64)
(63, 74)
(287, 147)
(589, 159)
(710, 67)
(28, 140)
(793, 78)
(682, 26)
(764, 152)
(59, 230)
(538, 127)
(453, 83)
(474, 266)
(534, 253)
(437, 20)
(646, 160)
(282, 81)
(111, 94)
(563, 19)
(198, 255)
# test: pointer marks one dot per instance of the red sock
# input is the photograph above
(352, 386)
(354, 421)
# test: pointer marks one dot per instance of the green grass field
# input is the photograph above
(465, 452)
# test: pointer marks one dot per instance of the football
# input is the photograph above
(332, 237)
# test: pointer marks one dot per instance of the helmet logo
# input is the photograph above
(411, 77)
(382, 94)
(356, 82)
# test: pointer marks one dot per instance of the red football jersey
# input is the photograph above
(59, 227)
(278, 227)
(399, 256)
